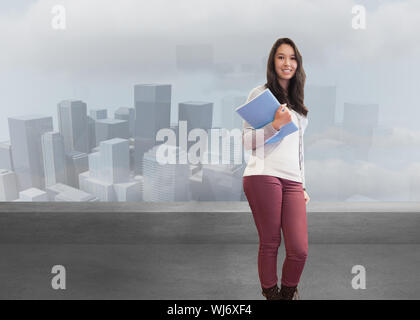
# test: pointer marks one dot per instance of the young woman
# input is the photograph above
(276, 193)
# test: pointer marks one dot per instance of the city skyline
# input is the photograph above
(356, 144)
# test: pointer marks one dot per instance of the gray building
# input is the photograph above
(106, 129)
(153, 108)
(73, 125)
(197, 114)
(128, 114)
(153, 112)
(94, 114)
(64, 193)
(165, 182)
(141, 146)
(8, 187)
(221, 182)
(76, 163)
(33, 195)
(108, 177)
(113, 161)
(25, 137)
(91, 132)
(6, 161)
(224, 146)
(98, 114)
(54, 158)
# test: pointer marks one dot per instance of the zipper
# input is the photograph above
(300, 143)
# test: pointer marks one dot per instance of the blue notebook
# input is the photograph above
(261, 110)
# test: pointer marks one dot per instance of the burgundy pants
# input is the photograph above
(278, 204)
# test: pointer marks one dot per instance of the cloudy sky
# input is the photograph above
(108, 46)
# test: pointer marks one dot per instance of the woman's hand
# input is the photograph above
(306, 196)
(282, 117)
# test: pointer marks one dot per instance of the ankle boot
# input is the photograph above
(272, 293)
(289, 293)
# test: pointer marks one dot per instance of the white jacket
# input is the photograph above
(285, 158)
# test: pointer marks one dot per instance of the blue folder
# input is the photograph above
(261, 110)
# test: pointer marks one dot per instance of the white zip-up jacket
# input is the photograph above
(284, 158)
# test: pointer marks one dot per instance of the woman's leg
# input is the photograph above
(264, 194)
(295, 232)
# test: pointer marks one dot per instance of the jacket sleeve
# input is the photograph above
(249, 134)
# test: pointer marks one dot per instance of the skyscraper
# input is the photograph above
(115, 161)
(108, 177)
(6, 161)
(153, 112)
(106, 129)
(153, 108)
(76, 163)
(94, 114)
(165, 182)
(54, 158)
(25, 137)
(8, 188)
(128, 114)
(224, 146)
(73, 125)
(98, 114)
(198, 115)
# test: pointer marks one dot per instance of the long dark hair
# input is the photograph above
(295, 95)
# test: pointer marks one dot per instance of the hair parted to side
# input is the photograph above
(295, 95)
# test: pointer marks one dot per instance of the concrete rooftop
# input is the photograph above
(196, 250)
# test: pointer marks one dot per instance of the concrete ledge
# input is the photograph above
(199, 206)
(199, 222)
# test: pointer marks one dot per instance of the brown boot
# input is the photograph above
(289, 293)
(272, 293)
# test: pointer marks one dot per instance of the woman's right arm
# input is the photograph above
(249, 134)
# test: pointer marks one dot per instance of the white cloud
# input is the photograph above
(383, 137)
(335, 179)
(399, 137)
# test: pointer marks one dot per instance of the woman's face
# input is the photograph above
(285, 62)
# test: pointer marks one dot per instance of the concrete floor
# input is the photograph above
(203, 271)
(200, 251)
